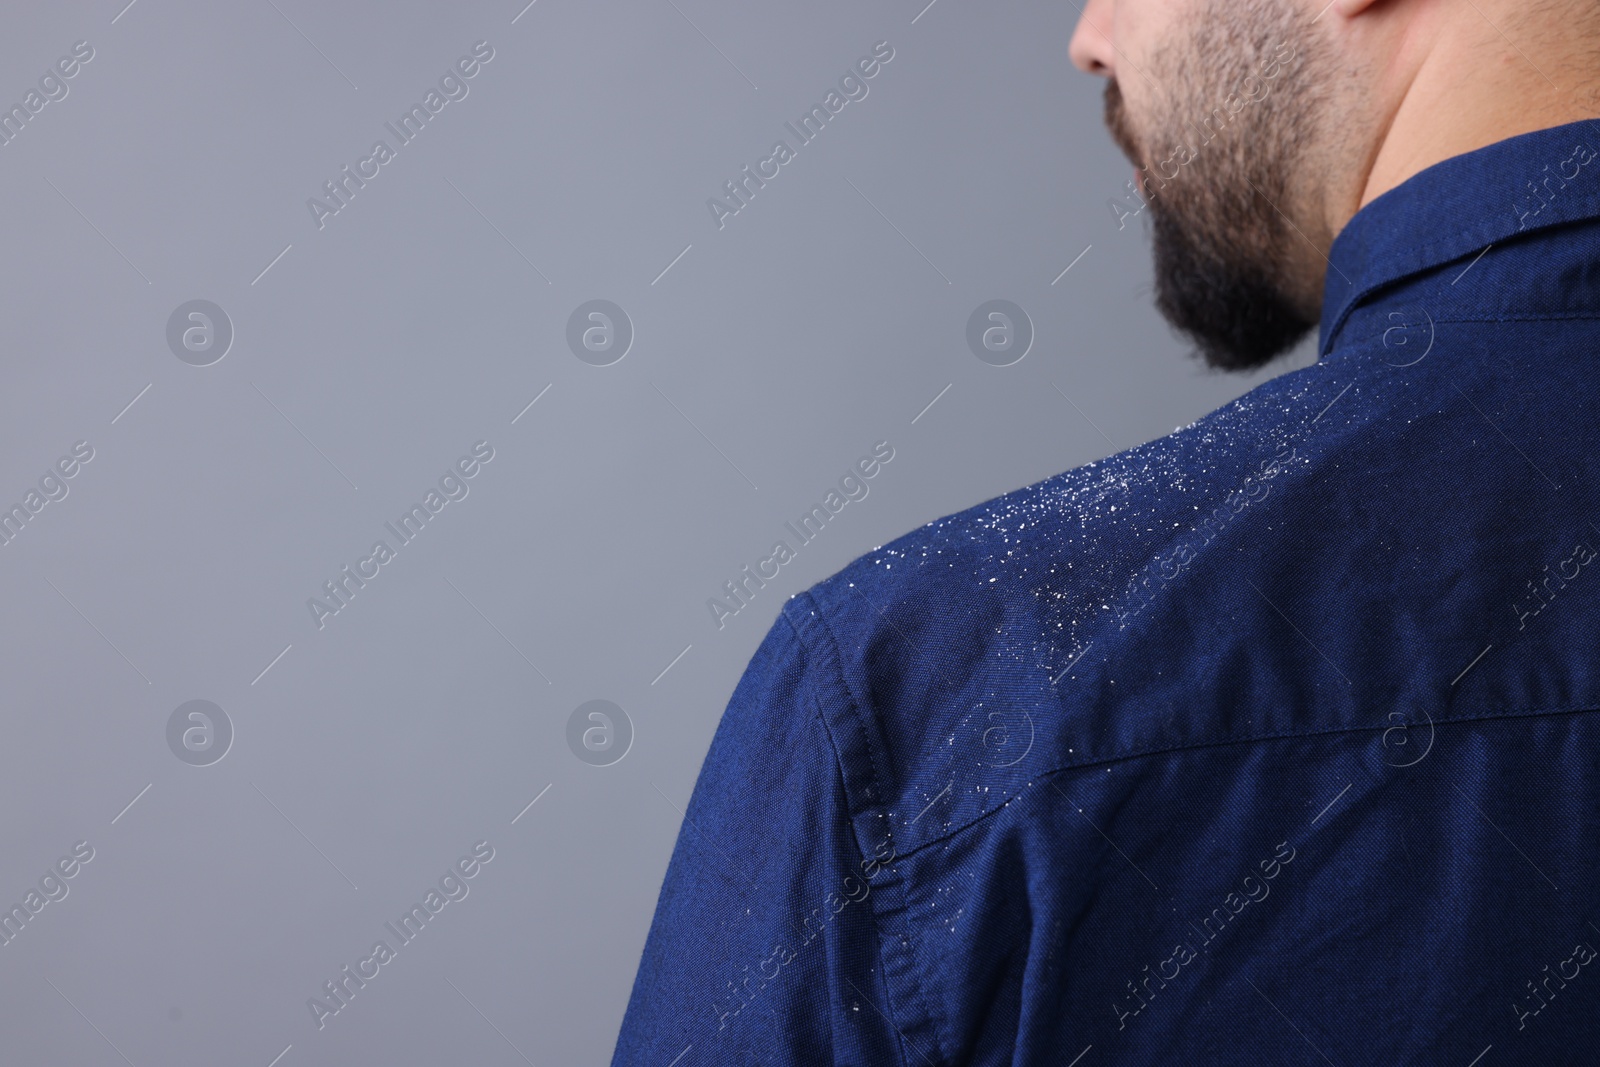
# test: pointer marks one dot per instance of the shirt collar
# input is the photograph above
(1459, 207)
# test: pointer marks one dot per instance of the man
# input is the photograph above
(1274, 740)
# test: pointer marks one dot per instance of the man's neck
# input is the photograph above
(1468, 78)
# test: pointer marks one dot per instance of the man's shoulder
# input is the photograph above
(1077, 551)
(1338, 543)
(991, 644)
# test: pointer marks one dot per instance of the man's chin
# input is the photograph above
(1236, 315)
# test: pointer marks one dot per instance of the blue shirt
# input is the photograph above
(1275, 740)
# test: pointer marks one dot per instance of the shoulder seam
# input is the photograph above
(1235, 741)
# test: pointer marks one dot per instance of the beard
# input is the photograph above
(1230, 268)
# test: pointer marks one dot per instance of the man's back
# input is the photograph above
(1273, 740)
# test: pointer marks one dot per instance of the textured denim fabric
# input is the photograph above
(1274, 740)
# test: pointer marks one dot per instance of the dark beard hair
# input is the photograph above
(1221, 248)
(1225, 300)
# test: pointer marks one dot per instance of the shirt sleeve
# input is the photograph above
(764, 948)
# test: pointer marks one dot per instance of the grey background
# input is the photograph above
(373, 353)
